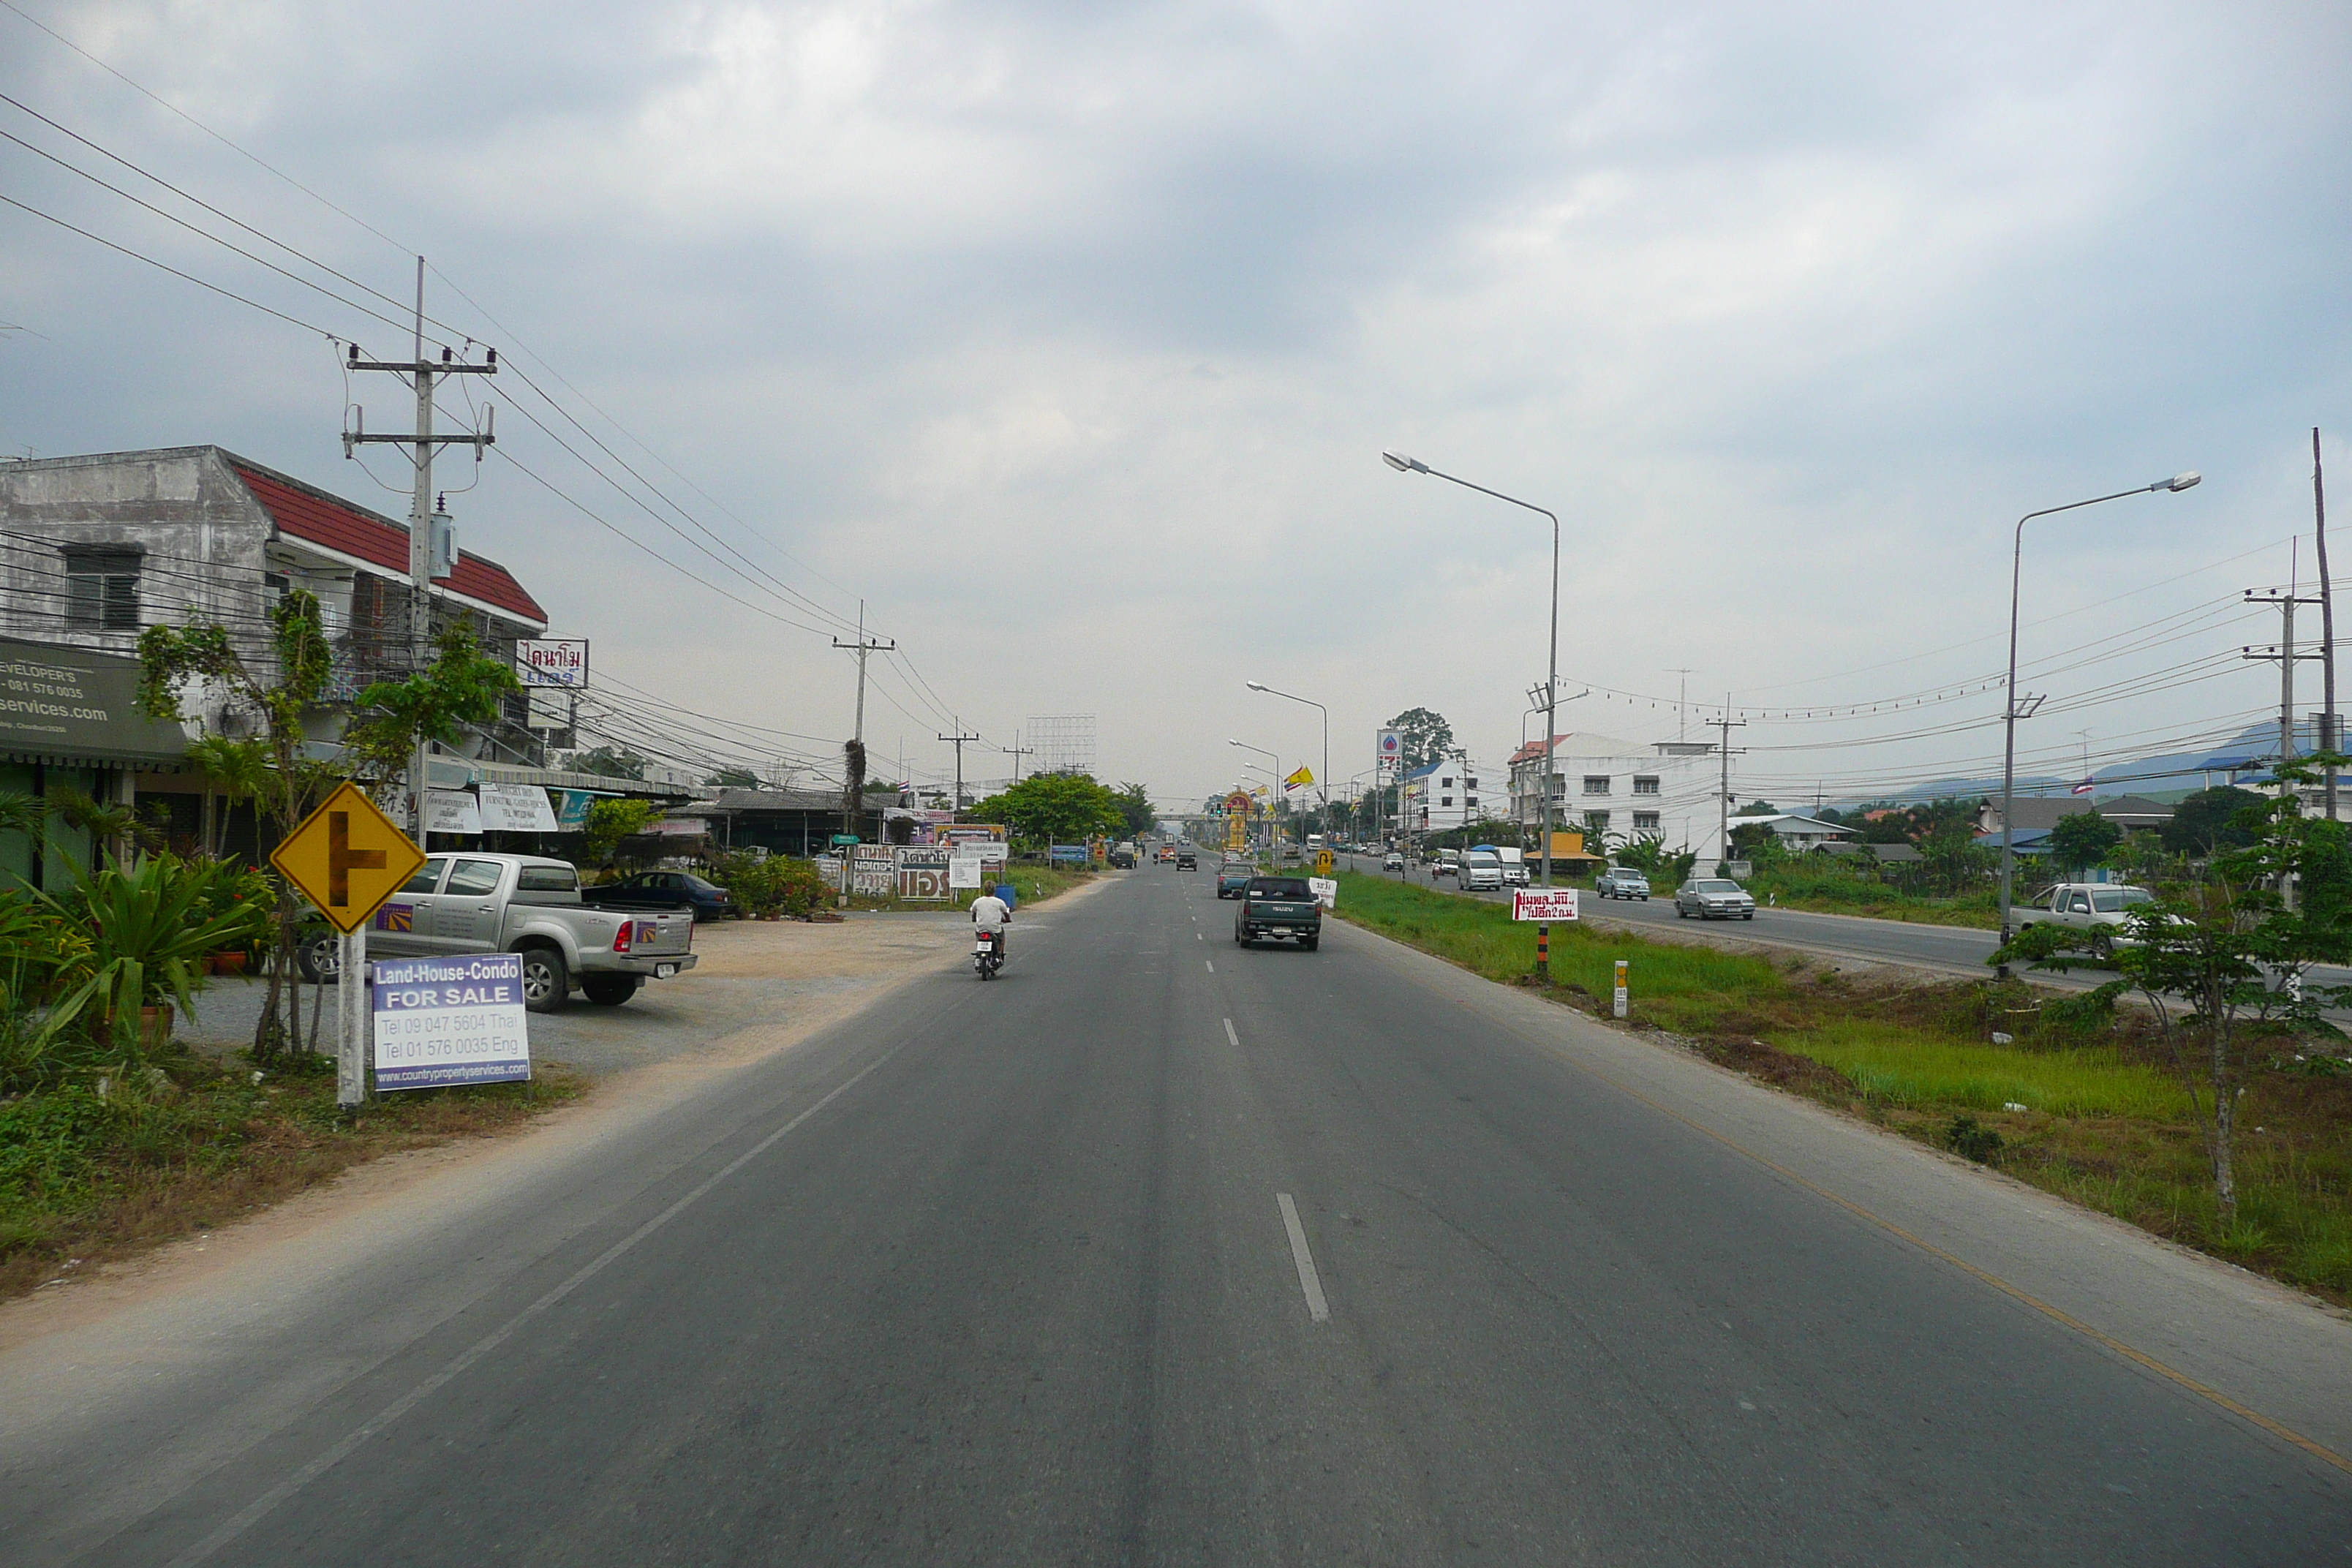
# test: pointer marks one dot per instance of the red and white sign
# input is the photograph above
(1543, 904)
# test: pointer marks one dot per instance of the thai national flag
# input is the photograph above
(2083, 788)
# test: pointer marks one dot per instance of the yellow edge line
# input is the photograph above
(2055, 1314)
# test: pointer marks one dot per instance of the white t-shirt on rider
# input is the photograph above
(988, 913)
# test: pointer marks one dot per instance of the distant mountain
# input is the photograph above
(2245, 759)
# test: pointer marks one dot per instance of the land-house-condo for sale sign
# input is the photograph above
(442, 1021)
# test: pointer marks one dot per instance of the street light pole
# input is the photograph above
(1404, 464)
(1277, 760)
(1325, 777)
(2009, 689)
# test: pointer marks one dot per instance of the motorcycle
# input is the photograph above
(988, 953)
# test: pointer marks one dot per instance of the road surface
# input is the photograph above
(1159, 1251)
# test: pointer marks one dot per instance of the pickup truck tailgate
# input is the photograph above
(659, 934)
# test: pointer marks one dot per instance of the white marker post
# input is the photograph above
(1622, 968)
(353, 1026)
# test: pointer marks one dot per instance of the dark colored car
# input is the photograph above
(1233, 880)
(1187, 861)
(1278, 906)
(663, 890)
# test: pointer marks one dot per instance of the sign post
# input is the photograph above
(1621, 968)
(1323, 863)
(347, 857)
(1543, 905)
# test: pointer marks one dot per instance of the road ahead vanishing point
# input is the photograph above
(1161, 1251)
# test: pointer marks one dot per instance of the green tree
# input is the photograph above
(280, 694)
(733, 778)
(462, 687)
(1054, 808)
(2222, 956)
(1425, 737)
(2082, 840)
(1952, 860)
(609, 822)
(1135, 809)
(2212, 819)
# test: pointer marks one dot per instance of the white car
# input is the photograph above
(1622, 882)
(1392, 861)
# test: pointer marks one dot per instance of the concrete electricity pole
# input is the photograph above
(862, 646)
(959, 739)
(1723, 797)
(432, 538)
(1016, 752)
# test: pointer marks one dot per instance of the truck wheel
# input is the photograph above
(1308, 943)
(546, 984)
(320, 958)
(610, 990)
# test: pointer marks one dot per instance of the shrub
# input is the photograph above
(1971, 1140)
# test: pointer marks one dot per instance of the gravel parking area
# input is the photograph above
(753, 974)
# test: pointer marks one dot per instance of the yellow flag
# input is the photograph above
(1296, 779)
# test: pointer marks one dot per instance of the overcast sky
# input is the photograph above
(1069, 336)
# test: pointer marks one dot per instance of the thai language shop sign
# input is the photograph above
(442, 1021)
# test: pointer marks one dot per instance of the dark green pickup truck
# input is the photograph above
(1278, 906)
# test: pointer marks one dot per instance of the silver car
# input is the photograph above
(1714, 898)
(1622, 882)
(2101, 908)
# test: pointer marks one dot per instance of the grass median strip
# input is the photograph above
(2079, 1102)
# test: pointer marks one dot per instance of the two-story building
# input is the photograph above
(1446, 794)
(94, 549)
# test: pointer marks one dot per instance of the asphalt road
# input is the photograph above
(1159, 1251)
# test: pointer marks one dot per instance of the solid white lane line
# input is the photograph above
(262, 1506)
(1309, 1281)
(1236, 1039)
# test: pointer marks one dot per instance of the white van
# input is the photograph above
(1482, 871)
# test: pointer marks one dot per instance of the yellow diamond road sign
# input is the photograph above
(347, 857)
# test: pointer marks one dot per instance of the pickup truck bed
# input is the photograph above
(472, 901)
(1279, 908)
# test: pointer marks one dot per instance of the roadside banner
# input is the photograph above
(1543, 904)
(452, 811)
(516, 808)
(923, 872)
(441, 1021)
(873, 870)
(1326, 890)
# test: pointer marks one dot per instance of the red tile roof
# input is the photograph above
(306, 513)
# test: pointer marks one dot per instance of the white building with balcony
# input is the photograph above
(1448, 793)
(1617, 791)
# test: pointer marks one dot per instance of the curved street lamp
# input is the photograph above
(1324, 778)
(1406, 465)
(2009, 691)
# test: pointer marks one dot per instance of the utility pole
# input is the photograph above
(1016, 752)
(861, 648)
(956, 806)
(1723, 799)
(2285, 654)
(2327, 736)
(432, 541)
(1682, 705)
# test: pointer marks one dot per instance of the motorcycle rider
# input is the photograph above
(991, 913)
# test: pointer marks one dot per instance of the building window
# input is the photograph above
(1596, 823)
(1645, 822)
(1596, 784)
(1445, 800)
(102, 589)
(1645, 783)
(1470, 784)
(1444, 783)
(1469, 800)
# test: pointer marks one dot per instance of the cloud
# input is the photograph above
(1069, 336)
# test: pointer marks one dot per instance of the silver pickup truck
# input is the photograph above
(474, 901)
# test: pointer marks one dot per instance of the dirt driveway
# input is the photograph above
(753, 974)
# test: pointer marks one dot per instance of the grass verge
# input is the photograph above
(86, 1179)
(1835, 891)
(2081, 1104)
